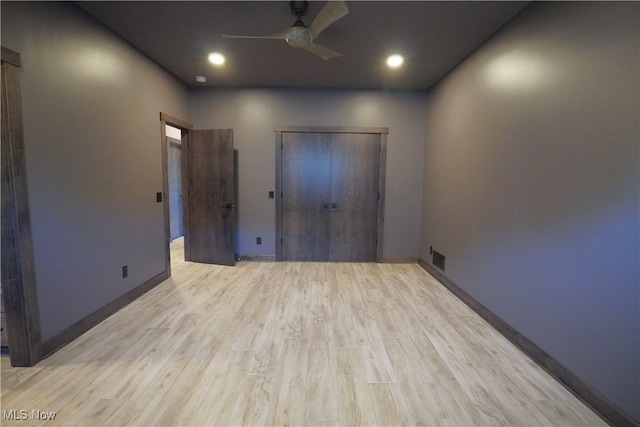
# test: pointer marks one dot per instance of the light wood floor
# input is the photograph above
(291, 344)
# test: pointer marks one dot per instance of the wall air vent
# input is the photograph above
(438, 260)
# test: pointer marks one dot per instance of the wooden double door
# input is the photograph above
(331, 188)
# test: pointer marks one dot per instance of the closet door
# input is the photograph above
(305, 196)
(330, 205)
(355, 165)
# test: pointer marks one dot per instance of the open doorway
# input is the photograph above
(174, 133)
(174, 175)
(205, 175)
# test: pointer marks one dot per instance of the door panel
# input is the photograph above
(355, 163)
(210, 217)
(18, 268)
(306, 174)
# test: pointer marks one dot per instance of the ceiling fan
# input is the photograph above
(301, 36)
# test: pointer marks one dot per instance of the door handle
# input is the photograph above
(335, 205)
(230, 205)
(325, 205)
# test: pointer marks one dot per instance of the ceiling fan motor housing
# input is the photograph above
(299, 36)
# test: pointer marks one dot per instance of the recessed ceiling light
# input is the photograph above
(201, 79)
(216, 58)
(394, 61)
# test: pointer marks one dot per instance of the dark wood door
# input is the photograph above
(209, 217)
(306, 196)
(329, 196)
(355, 164)
(18, 269)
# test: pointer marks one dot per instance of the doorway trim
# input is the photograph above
(382, 131)
(18, 265)
(185, 127)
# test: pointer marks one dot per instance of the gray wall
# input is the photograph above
(253, 114)
(530, 171)
(91, 109)
(531, 185)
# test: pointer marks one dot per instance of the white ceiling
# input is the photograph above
(433, 36)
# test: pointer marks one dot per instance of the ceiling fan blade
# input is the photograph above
(323, 52)
(330, 13)
(279, 36)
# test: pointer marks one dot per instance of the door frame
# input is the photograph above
(18, 264)
(382, 131)
(185, 127)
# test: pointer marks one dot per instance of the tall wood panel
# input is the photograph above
(18, 268)
(331, 187)
(355, 164)
(305, 195)
(209, 216)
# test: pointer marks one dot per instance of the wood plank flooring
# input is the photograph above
(290, 344)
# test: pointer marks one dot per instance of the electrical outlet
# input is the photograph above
(125, 271)
(258, 240)
(271, 194)
(159, 197)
